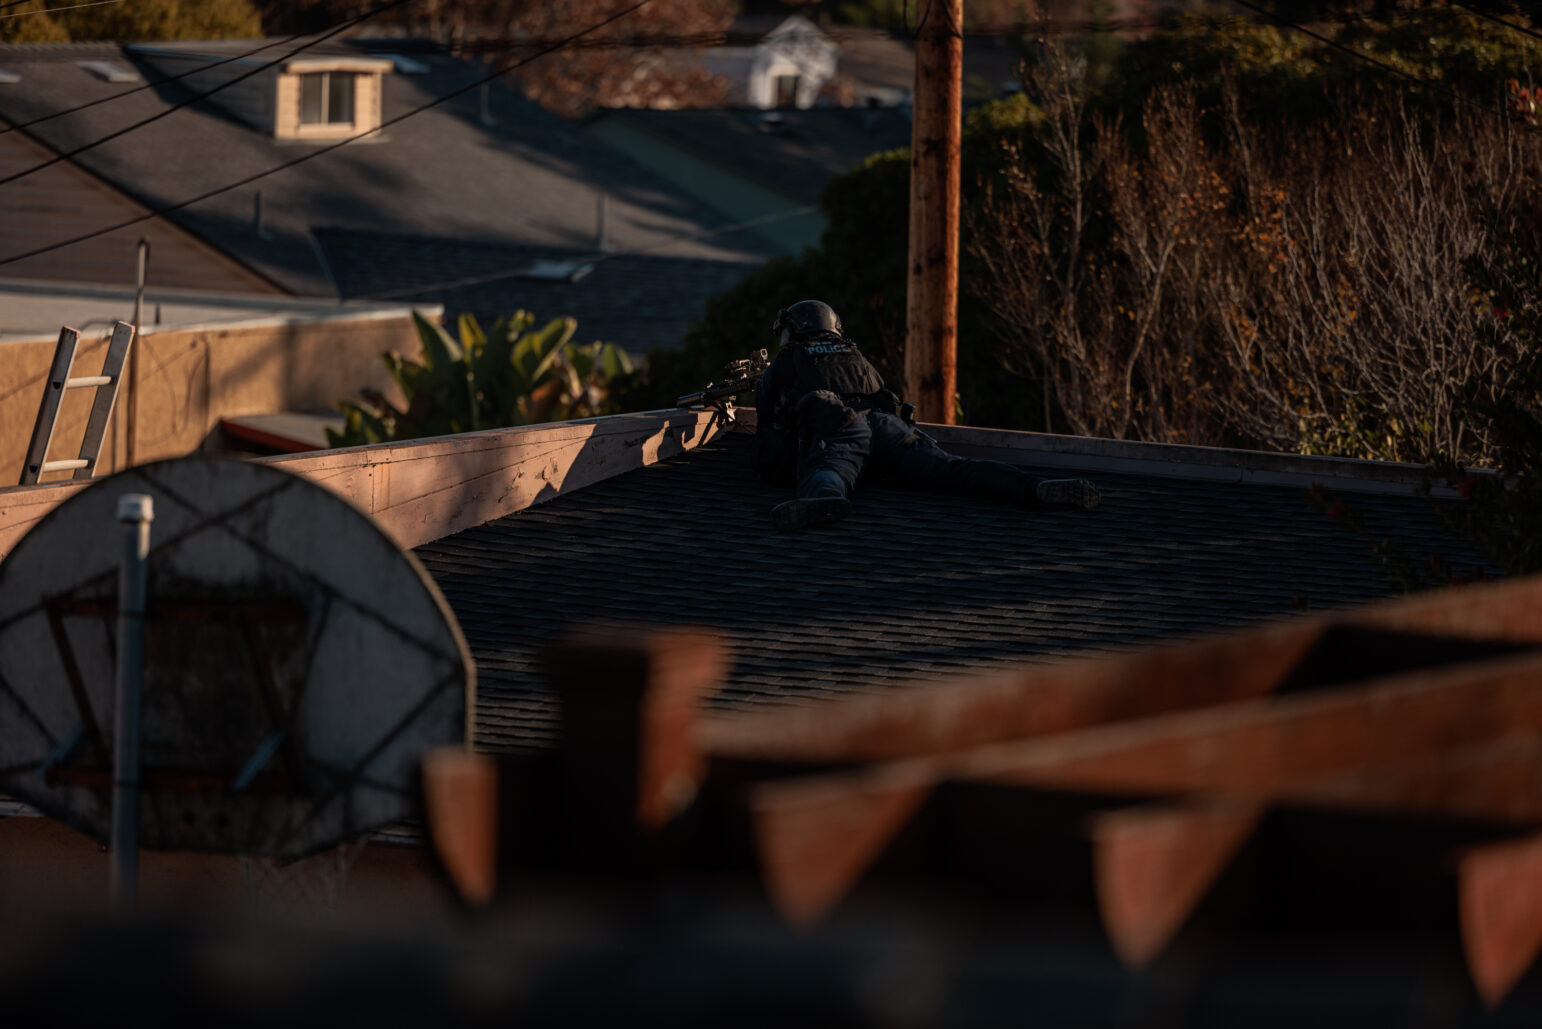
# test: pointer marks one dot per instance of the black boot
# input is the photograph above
(800, 514)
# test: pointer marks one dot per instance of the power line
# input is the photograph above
(1496, 19)
(682, 237)
(500, 70)
(151, 85)
(56, 10)
(340, 27)
(1367, 58)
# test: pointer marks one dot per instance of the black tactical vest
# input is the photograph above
(833, 363)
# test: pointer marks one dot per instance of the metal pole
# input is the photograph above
(131, 409)
(135, 511)
(487, 106)
(931, 302)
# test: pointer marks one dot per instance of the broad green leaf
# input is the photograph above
(438, 348)
(614, 362)
(472, 339)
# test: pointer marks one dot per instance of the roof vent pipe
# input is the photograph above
(602, 222)
(487, 107)
(257, 226)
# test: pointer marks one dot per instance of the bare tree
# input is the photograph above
(1347, 319)
(1200, 279)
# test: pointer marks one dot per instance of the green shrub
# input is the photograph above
(509, 376)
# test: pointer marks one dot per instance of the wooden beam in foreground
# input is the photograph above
(1500, 900)
(460, 806)
(629, 754)
(1269, 749)
(1252, 753)
(1038, 699)
(1152, 865)
(1029, 701)
(813, 852)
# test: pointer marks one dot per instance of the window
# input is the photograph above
(787, 91)
(326, 98)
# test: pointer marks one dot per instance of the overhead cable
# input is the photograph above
(501, 69)
(57, 10)
(66, 155)
(1367, 58)
(1524, 29)
(509, 273)
(152, 84)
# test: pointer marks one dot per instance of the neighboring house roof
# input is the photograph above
(881, 65)
(914, 585)
(637, 300)
(65, 200)
(754, 165)
(876, 64)
(793, 152)
(520, 177)
(772, 60)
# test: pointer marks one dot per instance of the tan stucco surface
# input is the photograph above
(188, 379)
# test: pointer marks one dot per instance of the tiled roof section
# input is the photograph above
(912, 585)
(635, 300)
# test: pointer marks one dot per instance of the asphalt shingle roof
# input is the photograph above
(636, 300)
(519, 176)
(912, 585)
(791, 151)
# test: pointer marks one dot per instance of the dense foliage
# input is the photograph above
(1228, 234)
(37, 21)
(512, 375)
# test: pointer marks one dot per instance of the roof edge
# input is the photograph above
(1173, 460)
(421, 490)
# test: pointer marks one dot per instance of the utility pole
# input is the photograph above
(931, 296)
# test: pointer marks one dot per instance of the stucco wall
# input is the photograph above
(191, 378)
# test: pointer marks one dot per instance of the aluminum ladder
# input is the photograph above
(59, 382)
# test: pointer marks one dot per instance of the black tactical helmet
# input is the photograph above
(806, 318)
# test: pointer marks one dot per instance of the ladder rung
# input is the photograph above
(88, 380)
(63, 466)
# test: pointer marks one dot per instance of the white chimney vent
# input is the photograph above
(107, 71)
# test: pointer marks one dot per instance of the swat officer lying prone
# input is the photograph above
(824, 421)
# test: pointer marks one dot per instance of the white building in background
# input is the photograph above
(781, 63)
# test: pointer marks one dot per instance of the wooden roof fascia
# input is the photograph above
(1088, 455)
(422, 490)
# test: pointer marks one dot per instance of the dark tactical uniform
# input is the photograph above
(824, 422)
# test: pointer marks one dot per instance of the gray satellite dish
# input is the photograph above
(297, 663)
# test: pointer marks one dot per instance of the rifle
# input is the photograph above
(740, 376)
